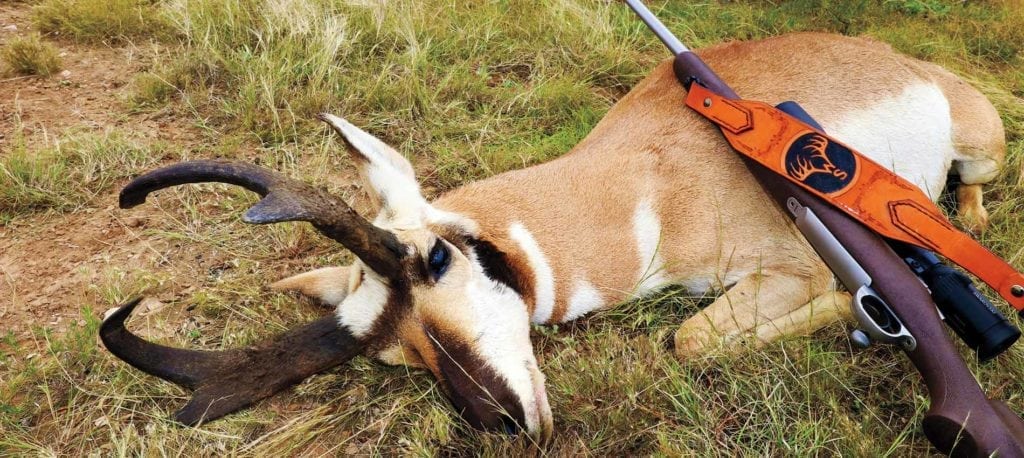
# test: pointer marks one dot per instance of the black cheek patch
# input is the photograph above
(384, 329)
(496, 265)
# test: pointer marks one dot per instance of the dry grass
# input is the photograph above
(469, 90)
(69, 172)
(101, 20)
(30, 55)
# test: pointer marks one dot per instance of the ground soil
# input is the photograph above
(49, 261)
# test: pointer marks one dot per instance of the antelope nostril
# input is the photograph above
(510, 425)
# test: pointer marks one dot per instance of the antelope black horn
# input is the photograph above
(284, 199)
(229, 380)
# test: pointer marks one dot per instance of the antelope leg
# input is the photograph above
(229, 380)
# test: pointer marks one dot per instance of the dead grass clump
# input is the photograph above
(149, 90)
(69, 172)
(30, 55)
(99, 20)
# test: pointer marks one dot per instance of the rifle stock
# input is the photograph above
(961, 420)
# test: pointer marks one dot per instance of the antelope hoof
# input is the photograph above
(973, 215)
(690, 343)
(974, 218)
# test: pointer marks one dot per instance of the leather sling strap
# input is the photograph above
(872, 194)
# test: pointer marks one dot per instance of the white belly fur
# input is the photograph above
(911, 134)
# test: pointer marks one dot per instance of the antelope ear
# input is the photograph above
(387, 175)
(329, 285)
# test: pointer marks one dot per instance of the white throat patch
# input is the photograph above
(361, 308)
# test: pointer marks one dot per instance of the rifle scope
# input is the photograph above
(963, 307)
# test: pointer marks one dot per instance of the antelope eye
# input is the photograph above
(438, 260)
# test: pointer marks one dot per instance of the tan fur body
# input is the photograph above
(652, 196)
(718, 226)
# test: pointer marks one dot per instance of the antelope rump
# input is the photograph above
(652, 197)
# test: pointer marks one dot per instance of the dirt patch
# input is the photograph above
(87, 94)
(50, 263)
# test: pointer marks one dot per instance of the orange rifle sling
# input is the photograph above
(875, 196)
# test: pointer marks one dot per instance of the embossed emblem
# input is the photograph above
(825, 166)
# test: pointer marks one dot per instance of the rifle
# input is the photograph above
(890, 301)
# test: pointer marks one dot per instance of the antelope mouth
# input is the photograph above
(503, 409)
(492, 399)
(540, 423)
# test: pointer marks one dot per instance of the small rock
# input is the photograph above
(65, 74)
(133, 221)
(10, 28)
(150, 306)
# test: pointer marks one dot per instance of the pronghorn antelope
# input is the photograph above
(651, 197)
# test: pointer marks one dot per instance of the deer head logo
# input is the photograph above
(826, 166)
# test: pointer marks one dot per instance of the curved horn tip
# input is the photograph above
(120, 314)
(128, 198)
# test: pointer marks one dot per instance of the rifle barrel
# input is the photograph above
(677, 47)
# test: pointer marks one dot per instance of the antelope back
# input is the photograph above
(654, 196)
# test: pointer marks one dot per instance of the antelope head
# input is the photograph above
(424, 292)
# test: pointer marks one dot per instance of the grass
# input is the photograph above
(101, 20)
(425, 77)
(149, 90)
(30, 55)
(465, 91)
(68, 173)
